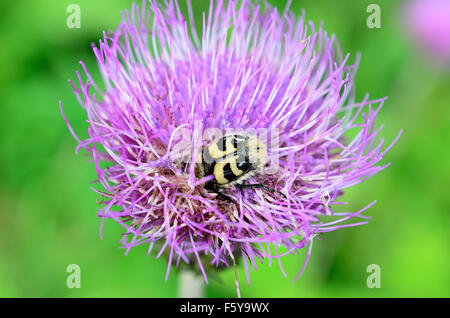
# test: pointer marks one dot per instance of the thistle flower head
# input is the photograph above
(171, 90)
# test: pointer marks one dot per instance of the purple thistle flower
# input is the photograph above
(251, 68)
(428, 22)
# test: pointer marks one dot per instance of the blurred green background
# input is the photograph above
(48, 212)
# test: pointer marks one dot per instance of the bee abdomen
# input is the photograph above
(228, 159)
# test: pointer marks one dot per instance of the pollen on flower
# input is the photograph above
(250, 68)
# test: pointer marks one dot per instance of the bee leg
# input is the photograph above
(260, 186)
(225, 197)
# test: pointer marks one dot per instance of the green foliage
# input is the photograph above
(49, 213)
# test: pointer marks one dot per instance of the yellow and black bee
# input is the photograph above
(232, 159)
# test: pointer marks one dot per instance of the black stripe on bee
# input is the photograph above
(228, 173)
(222, 144)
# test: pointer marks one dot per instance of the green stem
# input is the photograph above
(190, 285)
